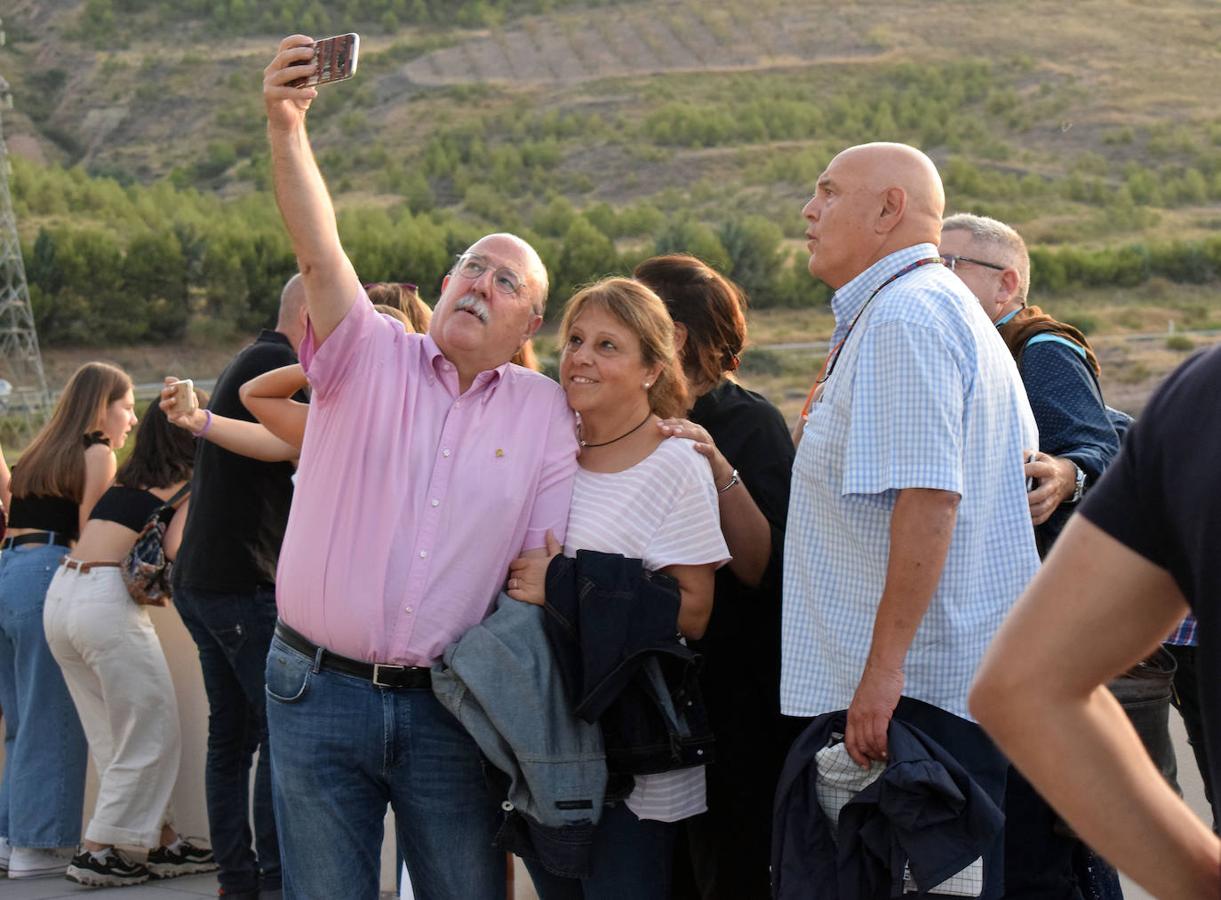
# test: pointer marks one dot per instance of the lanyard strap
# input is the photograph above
(828, 365)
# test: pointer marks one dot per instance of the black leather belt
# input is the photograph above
(376, 673)
(37, 537)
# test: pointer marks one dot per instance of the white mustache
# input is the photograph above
(475, 305)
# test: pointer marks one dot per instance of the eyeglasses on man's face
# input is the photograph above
(504, 279)
(953, 260)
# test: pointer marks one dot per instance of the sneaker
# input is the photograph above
(180, 858)
(5, 851)
(34, 862)
(110, 868)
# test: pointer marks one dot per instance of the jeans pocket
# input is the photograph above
(288, 675)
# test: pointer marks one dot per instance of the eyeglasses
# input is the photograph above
(504, 279)
(952, 260)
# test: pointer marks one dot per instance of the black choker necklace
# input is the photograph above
(622, 436)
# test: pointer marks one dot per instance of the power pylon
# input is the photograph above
(20, 359)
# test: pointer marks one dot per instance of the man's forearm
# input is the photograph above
(921, 527)
(305, 205)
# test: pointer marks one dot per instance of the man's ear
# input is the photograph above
(1008, 286)
(535, 321)
(444, 284)
(894, 205)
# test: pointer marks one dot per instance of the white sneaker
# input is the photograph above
(34, 862)
(5, 851)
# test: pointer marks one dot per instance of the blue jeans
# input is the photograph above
(43, 786)
(631, 858)
(233, 632)
(341, 750)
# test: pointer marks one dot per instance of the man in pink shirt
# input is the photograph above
(429, 463)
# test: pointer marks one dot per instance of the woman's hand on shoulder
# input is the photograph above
(722, 471)
(528, 573)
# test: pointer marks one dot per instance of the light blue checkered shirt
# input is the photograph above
(924, 395)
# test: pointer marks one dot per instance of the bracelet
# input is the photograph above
(208, 424)
(733, 479)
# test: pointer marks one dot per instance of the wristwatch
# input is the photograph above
(1079, 487)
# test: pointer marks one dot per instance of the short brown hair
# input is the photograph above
(637, 307)
(710, 306)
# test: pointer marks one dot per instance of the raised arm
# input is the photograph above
(331, 285)
(269, 399)
(244, 438)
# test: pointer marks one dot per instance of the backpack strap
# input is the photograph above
(182, 494)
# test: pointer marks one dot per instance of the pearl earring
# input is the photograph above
(647, 385)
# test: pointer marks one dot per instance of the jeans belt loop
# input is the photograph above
(318, 660)
(377, 671)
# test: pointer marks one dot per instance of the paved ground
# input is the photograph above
(205, 885)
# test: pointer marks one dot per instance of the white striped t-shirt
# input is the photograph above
(663, 510)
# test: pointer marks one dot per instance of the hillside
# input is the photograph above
(604, 132)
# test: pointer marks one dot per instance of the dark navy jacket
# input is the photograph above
(613, 629)
(924, 811)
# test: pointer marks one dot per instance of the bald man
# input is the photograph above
(908, 532)
(429, 463)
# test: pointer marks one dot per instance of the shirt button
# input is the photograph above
(445, 452)
(423, 554)
(407, 609)
(458, 403)
(436, 502)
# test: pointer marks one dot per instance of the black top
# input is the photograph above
(130, 507)
(1160, 498)
(239, 506)
(741, 645)
(58, 514)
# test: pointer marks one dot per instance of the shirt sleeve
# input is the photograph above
(690, 533)
(329, 366)
(1068, 407)
(905, 429)
(554, 494)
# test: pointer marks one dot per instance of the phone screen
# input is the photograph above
(334, 60)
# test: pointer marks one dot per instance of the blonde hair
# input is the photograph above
(645, 314)
(406, 299)
(54, 463)
(526, 356)
(395, 313)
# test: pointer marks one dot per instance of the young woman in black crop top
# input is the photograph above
(60, 476)
(116, 671)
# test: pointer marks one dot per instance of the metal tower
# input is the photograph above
(20, 359)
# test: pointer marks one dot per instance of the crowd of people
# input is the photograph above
(628, 626)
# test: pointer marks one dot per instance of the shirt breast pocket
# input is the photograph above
(823, 444)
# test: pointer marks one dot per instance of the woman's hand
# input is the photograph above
(722, 471)
(528, 574)
(192, 422)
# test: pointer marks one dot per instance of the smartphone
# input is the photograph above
(334, 60)
(1031, 483)
(185, 401)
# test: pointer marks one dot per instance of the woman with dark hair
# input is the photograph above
(744, 438)
(116, 671)
(647, 498)
(60, 476)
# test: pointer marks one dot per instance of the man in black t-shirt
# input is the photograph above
(224, 589)
(1143, 549)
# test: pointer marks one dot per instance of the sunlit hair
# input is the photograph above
(710, 306)
(397, 314)
(164, 454)
(406, 299)
(642, 311)
(54, 463)
(994, 235)
(525, 356)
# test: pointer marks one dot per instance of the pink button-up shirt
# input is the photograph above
(412, 500)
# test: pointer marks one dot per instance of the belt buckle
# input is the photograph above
(377, 671)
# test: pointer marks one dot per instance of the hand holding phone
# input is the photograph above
(182, 398)
(1031, 482)
(334, 60)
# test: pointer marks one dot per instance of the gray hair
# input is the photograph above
(996, 235)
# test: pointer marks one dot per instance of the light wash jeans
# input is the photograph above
(341, 749)
(116, 672)
(43, 786)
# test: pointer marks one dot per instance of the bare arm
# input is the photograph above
(1094, 609)
(695, 585)
(744, 526)
(331, 285)
(921, 526)
(269, 399)
(100, 467)
(173, 534)
(6, 478)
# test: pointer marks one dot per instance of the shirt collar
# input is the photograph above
(849, 299)
(273, 337)
(439, 367)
